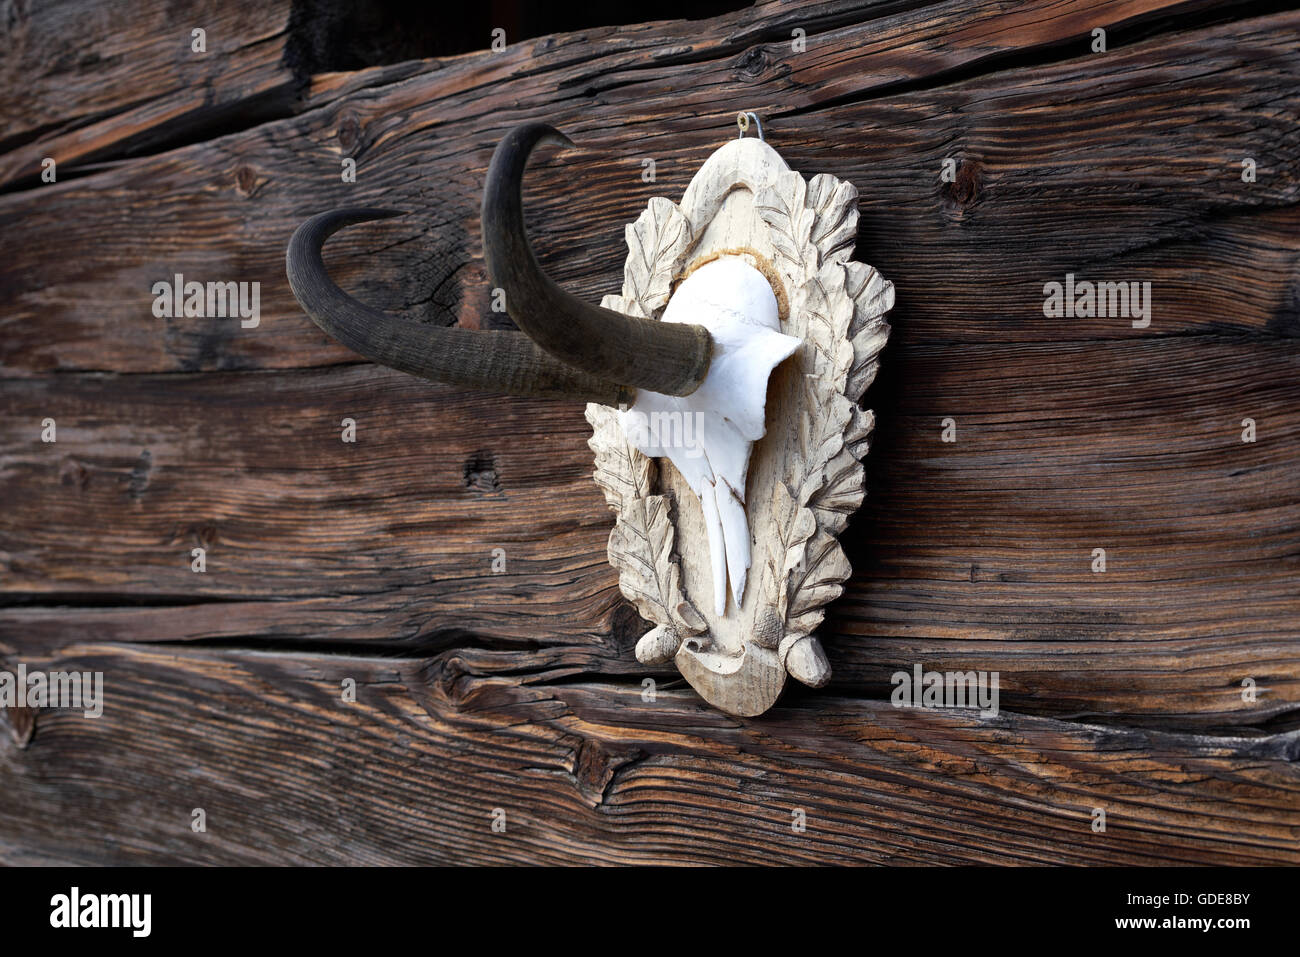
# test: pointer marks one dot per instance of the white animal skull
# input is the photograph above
(712, 430)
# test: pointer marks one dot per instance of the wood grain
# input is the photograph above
(520, 690)
(94, 81)
(587, 772)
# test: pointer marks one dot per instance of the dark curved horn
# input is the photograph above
(494, 361)
(671, 358)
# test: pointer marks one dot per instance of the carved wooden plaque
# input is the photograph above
(805, 476)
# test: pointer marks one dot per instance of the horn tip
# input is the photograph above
(556, 138)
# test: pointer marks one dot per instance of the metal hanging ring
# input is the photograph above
(742, 123)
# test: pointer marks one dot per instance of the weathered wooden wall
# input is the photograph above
(326, 561)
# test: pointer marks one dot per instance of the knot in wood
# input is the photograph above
(245, 179)
(349, 132)
(963, 192)
(753, 63)
(480, 472)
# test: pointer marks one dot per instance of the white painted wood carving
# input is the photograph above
(729, 501)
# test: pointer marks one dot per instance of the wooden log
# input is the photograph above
(286, 771)
(1121, 689)
(1089, 177)
(91, 82)
(969, 551)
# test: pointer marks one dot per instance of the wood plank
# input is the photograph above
(589, 773)
(121, 76)
(973, 552)
(1110, 180)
